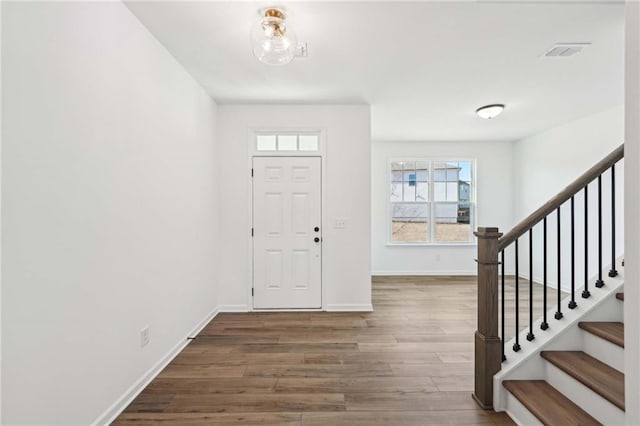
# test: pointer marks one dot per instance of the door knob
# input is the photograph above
(316, 229)
(316, 239)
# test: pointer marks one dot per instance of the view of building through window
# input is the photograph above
(431, 201)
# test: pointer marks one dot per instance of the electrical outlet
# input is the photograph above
(144, 337)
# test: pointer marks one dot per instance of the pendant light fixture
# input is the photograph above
(272, 39)
(490, 111)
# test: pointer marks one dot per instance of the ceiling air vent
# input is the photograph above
(566, 49)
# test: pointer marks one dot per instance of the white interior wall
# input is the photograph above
(108, 208)
(632, 213)
(346, 261)
(0, 212)
(547, 162)
(494, 206)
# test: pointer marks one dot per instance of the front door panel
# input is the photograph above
(287, 252)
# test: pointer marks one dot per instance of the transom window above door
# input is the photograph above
(431, 201)
(287, 142)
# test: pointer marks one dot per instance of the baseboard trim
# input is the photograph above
(118, 407)
(329, 308)
(425, 273)
(234, 308)
(349, 308)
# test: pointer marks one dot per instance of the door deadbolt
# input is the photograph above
(316, 239)
(316, 229)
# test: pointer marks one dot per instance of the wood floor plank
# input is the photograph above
(321, 370)
(336, 323)
(356, 385)
(207, 348)
(190, 386)
(432, 338)
(432, 370)
(395, 401)
(416, 328)
(453, 383)
(232, 324)
(239, 359)
(297, 347)
(247, 403)
(406, 418)
(449, 357)
(372, 358)
(324, 335)
(415, 347)
(214, 419)
(150, 403)
(375, 338)
(234, 339)
(195, 371)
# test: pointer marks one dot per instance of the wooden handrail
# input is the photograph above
(551, 205)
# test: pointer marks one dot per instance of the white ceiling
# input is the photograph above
(423, 66)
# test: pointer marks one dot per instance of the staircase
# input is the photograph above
(566, 367)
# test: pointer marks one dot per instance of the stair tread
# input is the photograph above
(547, 403)
(620, 296)
(594, 374)
(611, 331)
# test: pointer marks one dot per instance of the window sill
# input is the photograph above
(473, 244)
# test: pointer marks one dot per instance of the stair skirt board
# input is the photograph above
(594, 404)
(564, 334)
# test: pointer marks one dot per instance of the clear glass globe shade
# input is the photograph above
(272, 41)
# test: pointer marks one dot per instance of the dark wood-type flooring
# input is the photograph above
(410, 362)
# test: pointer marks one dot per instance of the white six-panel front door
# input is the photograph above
(287, 240)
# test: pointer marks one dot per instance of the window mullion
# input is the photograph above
(432, 209)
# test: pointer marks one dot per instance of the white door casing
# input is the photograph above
(287, 248)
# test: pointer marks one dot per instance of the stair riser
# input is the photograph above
(598, 407)
(611, 310)
(519, 413)
(603, 350)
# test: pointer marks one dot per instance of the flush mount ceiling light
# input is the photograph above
(490, 111)
(272, 39)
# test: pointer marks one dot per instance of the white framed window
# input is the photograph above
(287, 142)
(431, 201)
